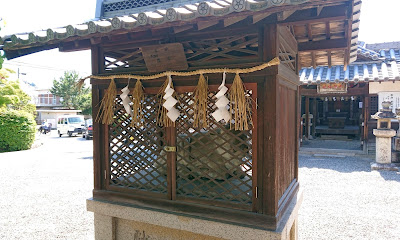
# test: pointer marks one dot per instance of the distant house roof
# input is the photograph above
(376, 62)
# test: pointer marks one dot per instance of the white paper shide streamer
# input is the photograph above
(170, 102)
(222, 103)
(126, 100)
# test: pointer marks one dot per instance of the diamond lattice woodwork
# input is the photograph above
(136, 157)
(213, 163)
(229, 50)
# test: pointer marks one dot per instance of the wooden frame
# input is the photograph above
(276, 127)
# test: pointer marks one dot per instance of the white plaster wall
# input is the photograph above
(375, 87)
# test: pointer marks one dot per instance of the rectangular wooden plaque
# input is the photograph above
(332, 88)
(164, 57)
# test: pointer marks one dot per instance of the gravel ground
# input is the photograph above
(43, 190)
(344, 199)
(43, 195)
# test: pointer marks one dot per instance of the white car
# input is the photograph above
(70, 124)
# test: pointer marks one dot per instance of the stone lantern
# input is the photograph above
(396, 146)
(384, 133)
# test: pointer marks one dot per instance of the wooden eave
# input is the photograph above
(328, 46)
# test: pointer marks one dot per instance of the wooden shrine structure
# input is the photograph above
(208, 182)
(360, 90)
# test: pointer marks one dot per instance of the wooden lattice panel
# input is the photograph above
(136, 157)
(213, 163)
(286, 56)
(374, 105)
(201, 52)
(123, 60)
(230, 48)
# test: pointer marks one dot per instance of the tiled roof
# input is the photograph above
(383, 66)
(366, 52)
(167, 11)
(185, 10)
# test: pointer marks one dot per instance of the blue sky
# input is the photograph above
(379, 23)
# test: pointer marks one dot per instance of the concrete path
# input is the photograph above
(43, 193)
(344, 199)
(43, 190)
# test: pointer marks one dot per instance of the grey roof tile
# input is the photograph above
(383, 66)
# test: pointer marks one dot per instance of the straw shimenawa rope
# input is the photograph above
(200, 103)
(106, 111)
(138, 98)
(105, 114)
(239, 105)
(273, 62)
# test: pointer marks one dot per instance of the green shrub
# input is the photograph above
(17, 130)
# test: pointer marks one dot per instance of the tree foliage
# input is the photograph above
(2, 56)
(12, 96)
(72, 97)
(17, 130)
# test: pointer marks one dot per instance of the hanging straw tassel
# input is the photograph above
(80, 83)
(240, 105)
(106, 111)
(162, 119)
(138, 98)
(200, 103)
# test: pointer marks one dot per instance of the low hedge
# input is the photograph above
(17, 130)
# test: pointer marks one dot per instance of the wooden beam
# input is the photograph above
(288, 38)
(313, 60)
(328, 30)
(259, 17)
(319, 10)
(323, 45)
(303, 17)
(309, 32)
(179, 29)
(75, 46)
(95, 40)
(329, 59)
(233, 20)
(206, 24)
(284, 14)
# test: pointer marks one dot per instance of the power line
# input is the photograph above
(24, 64)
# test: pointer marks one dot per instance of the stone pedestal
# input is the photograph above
(122, 221)
(384, 145)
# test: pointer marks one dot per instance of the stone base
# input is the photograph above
(387, 167)
(384, 145)
(114, 221)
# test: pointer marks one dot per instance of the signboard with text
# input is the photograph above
(164, 57)
(332, 88)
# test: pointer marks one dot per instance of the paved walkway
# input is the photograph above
(43, 191)
(43, 194)
(344, 199)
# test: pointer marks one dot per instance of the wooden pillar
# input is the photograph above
(315, 114)
(279, 125)
(270, 193)
(98, 133)
(307, 120)
(366, 112)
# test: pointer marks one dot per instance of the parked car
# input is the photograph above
(70, 124)
(88, 133)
